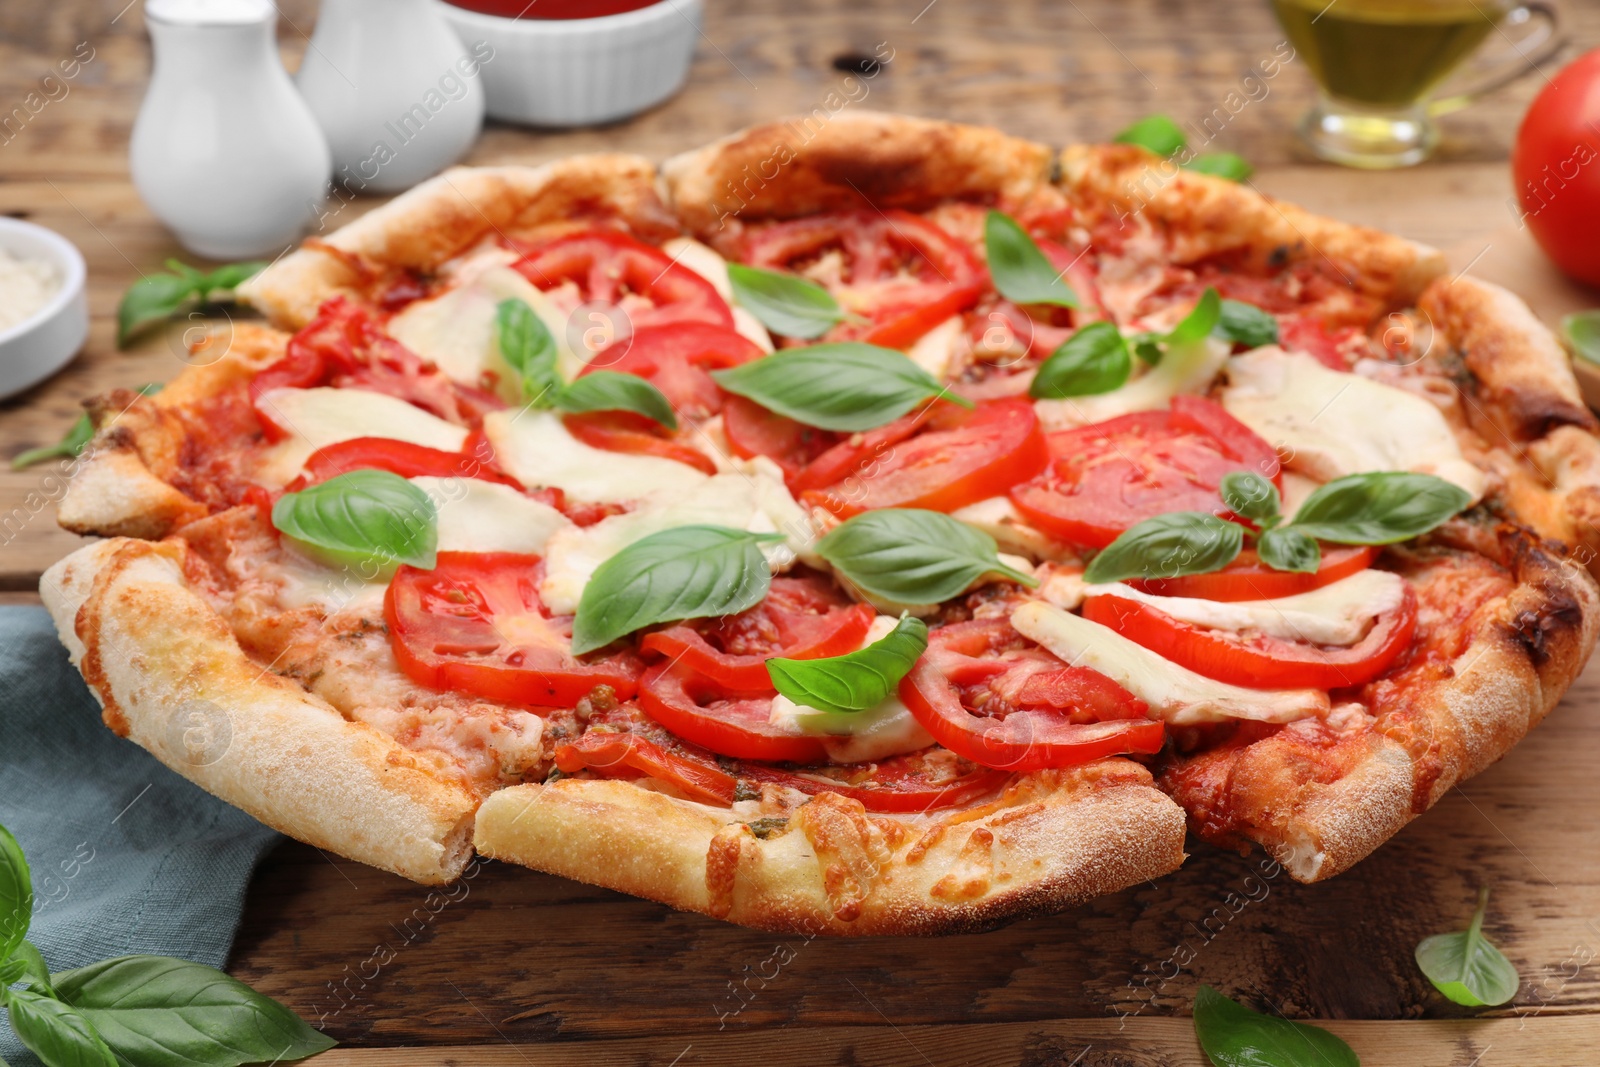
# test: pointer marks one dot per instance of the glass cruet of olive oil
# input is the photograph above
(1377, 64)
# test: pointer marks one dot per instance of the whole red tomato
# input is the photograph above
(1556, 168)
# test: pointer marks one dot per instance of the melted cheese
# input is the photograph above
(480, 516)
(936, 349)
(538, 451)
(1001, 520)
(305, 583)
(316, 418)
(1175, 694)
(1184, 369)
(858, 736)
(1339, 613)
(1332, 424)
(456, 329)
(688, 252)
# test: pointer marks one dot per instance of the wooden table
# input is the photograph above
(534, 970)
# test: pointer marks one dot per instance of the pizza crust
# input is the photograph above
(170, 676)
(1053, 839)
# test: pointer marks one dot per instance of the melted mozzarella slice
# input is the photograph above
(1176, 694)
(1340, 613)
(1001, 520)
(855, 737)
(1332, 423)
(936, 349)
(456, 329)
(316, 418)
(480, 516)
(538, 451)
(1184, 369)
(688, 252)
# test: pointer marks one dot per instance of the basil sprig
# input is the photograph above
(141, 1010)
(1465, 967)
(847, 387)
(688, 572)
(1159, 134)
(911, 556)
(856, 680)
(157, 297)
(1246, 324)
(1581, 331)
(1234, 1036)
(1021, 272)
(72, 443)
(529, 349)
(785, 303)
(1375, 508)
(1096, 358)
(371, 519)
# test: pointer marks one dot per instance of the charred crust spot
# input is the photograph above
(1537, 630)
(857, 63)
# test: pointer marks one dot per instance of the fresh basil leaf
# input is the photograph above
(158, 1011)
(1158, 133)
(372, 519)
(1200, 321)
(1147, 346)
(230, 276)
(785, 303)
(1582, 334)
(16, 894)
(1285, 548)
(1167, 546)
(1246, 324)
(912, 556)
(1250, 496)
(689, 572)
(74, 442)
(529, 350)
(157, 297)
(1465, 967)
(1093, 360)
(1222, 165)
(847, 387)
(609, 390)
(34, 968)
(856, 680)
(1379, 508)
(56, 1032)
(1020, 271)
(1234, 1036)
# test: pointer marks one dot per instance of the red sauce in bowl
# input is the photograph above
(551, 9)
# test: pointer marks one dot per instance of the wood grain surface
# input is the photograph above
(515, 967)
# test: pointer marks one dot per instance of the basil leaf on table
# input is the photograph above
(847, 387)
(152, 1009)
(1582, 334)
(526, 345)
(56, 1032)
(76, 439)
(1168, 546)
(1021, 272)
(1232, 1035)
(1156, 133)
(785, 303)
(1221, 165)
(157, 297)
(912, 556)
(1246, 324)
(856, 680)
(609, 390)
(1465, 967)
(362, 517)
(1200, 321)
(16, 895)
(1285, 548)
(1093, 360)
(689, 572)
(1379, 508)
(1250, 496)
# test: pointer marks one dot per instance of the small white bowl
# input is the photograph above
(580, 72)
(37, 347)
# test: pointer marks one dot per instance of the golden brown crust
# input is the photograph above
(1206, 216)
(807, 164)
(1052, 840)
(170, 676)
(443, 216)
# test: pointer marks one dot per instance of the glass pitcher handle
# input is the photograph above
(1542, 42)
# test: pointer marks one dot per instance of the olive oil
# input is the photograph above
(1385, 53)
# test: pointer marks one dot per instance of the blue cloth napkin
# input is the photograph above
(127, 857)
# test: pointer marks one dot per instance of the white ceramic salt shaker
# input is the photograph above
(397, 95)
(224, 150)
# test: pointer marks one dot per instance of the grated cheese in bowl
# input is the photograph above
(26, 286)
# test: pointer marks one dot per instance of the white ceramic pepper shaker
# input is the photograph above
(397, 95)
(224, 150)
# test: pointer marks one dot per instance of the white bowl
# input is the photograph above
(37, 347)
(578, 72)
